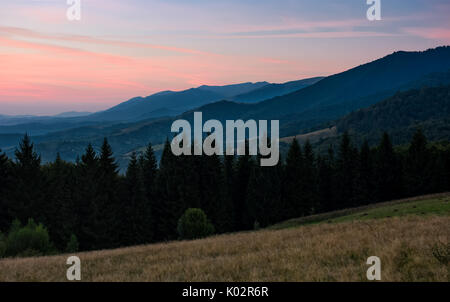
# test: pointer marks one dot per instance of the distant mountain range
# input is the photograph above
(170, 103)
(301, 106)
(161, 104)
(273, 90)
(73, 114)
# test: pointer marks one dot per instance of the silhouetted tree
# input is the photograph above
(29, 183)
(388, 171)
(294, 205)
(6, 187)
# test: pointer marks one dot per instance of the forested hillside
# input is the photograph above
(90, 203)
(426, 108)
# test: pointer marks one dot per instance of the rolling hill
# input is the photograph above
(410, 237)
(401, 115)
(172, 102)
(342, 93)
(426, 108)
(273, 90)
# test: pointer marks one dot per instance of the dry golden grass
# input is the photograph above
(322, 252)
(311, 136)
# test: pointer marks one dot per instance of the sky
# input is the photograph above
(121, 49)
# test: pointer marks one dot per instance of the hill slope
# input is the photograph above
(411, 248)
(400, 115)
(273, 90)
(342, 93)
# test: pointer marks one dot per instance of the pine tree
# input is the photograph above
(211, 190)
(149, 168)
(136, 223)
(244, 166)
(418, 166)
(87, 211)
(325, 184)
(6, 186)
(388, 171)
(228, 219)
(265, 194)
(347, 164)
(59, 207)
(169, 207)
(28, 193)
(107, 200)
(294, 194)
(365, 182)
(309, 180)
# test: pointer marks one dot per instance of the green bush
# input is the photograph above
(194, 224)
(72, 245)
(30, 240)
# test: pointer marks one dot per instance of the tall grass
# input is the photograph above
(321, 252)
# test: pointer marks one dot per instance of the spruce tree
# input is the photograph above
(388, 171)
(169, 207)
(365, 182)
(418, 166)
(211, 190)
(87, 211)
(294, 194)
(309, 180)
(29, 183)
(325, 184)
(107, 200)
(228, 220)
(136, 223)
(6, 186)
(265, 194)
(60, 214)
(243, 168)
(149, 168)
(347, 165)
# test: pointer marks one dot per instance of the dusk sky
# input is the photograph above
(122, 49)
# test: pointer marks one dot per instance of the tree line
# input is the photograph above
(90, 201)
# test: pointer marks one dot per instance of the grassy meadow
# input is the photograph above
(411, 237)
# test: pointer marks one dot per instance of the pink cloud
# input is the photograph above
(436, 33)
(317, 35)
(92, 40)
(42, 72)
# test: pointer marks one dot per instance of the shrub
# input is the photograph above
(30, 240)
(194, 224)
(72, 245)
(441, 252)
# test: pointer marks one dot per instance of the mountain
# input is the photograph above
(401, 114)
(232, 90)
(342, 93)
(159, 105)
(172, 102)
(311, 108)
(273, 90)
(72, 114)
